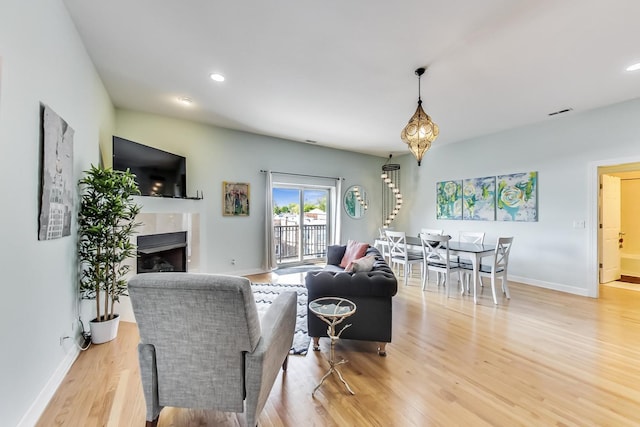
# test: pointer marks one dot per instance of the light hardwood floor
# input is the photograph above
(543, 358)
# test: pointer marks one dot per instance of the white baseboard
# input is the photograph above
(39, 405)
(551, 285)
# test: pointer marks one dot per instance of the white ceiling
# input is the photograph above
(341, 72)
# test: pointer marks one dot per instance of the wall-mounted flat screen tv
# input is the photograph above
(158, 172)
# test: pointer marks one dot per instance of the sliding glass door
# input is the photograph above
(300, 222)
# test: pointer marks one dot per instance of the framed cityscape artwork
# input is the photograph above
(56, 176)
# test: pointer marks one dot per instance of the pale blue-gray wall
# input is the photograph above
(550, 252)
(215, 155)
(43, 60)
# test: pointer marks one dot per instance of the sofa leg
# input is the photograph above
(152, 423)
(316, 343)
(382, 349)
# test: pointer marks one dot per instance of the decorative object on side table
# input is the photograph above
(235, 198)
(332, 311)
(106, 223)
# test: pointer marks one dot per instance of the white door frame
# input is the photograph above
(592, 220)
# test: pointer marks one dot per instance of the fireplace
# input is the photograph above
(162, 252)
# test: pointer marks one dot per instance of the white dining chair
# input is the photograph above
(476, 237)
(498, 267)
(399, 255)
(384, 243)
(435, 249)
(432, 231)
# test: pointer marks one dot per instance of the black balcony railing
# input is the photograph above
(314, 238)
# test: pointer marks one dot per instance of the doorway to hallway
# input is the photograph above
(618, 227)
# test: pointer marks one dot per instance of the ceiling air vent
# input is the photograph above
(566, 110)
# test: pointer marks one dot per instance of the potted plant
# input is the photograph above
(106, 223)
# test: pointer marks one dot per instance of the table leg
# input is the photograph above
(332, 363)
(475, 261)
(343, 381)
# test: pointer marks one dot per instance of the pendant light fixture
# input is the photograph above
(420, 132)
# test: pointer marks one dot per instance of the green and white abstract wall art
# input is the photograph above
(517, 197)
(512, 197)
(449, 200)
(479, 199)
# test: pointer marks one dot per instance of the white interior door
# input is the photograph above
(610, 229)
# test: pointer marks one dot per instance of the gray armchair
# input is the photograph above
(202, 344)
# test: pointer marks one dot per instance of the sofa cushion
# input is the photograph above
(333, 268)
(363, 264)
(354, 251)
(335, 254)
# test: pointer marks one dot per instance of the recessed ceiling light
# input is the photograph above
(185, 100)
(634, 67)
(217, 77)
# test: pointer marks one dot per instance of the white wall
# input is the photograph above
(215, 155)
(551, 252)
(43, 60)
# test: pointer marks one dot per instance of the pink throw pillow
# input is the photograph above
(354, 251)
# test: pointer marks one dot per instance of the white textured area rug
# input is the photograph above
(265, 293)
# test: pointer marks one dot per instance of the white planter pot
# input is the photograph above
(102, 332)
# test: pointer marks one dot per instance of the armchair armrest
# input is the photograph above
(149, 375)
(263, 364)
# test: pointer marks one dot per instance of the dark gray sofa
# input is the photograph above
(371, 292)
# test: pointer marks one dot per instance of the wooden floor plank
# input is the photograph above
(541, 358)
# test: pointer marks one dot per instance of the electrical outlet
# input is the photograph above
(233, 261)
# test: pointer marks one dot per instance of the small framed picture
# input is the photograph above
(235, 198)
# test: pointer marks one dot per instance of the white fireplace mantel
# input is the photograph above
(160, 215)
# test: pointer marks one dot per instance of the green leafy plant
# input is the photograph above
(106, 222)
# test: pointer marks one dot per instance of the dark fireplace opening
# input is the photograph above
(162, 252)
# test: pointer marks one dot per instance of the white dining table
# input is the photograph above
(475, 252)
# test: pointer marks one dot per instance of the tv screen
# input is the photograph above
(158, 172)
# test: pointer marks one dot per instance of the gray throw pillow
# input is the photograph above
(335, 254)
